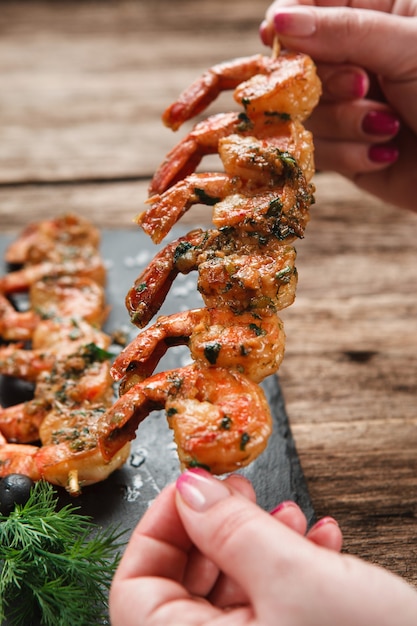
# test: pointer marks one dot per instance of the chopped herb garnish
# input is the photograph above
(244, 441)
(279, 114)
(204, 198)
(274, 208)
(211, 352)
(257, 330)
(195, 463)
(226, 423)
(93, 353)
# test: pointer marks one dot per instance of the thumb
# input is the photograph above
(378, 41)
(245, 542)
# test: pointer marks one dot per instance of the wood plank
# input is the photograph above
(84, 84)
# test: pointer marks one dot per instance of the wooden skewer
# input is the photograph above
(276, 48)
(73, 484)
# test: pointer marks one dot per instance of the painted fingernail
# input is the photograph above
(200, 490)
(380, 123)
(380, 153)
(295, 22)
(287, 504)
(324, 521)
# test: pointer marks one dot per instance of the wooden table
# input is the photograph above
(82, 89)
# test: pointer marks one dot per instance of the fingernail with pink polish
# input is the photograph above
(295, 22)
(200, 490)
(287, 504)
(383, 153)
(380, 123)
(324, 521)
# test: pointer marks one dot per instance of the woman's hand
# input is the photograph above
(205, 553)
(365, 126)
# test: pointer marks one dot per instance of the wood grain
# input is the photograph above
(83, 88)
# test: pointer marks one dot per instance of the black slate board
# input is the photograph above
(124, 497)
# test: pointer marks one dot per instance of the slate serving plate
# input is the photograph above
(125, 496)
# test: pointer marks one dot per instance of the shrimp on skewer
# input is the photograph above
(51, 338)
(238, 271)
(72, 297)
(287, 84)
(66, 261)
(266, 186)
(40, 238)
(183, 159)
(220, 419)
(249, 343)
(82, 377)
(16, 325)
(66, 460)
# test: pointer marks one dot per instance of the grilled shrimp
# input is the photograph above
(75, 297)
(263, 189)
(70, 459)
(16, 325)
(248, 343)
(51, 339)
(72, 380)
(71, 297)
(285, 135)
(286, 85)
(40, 238)
(238, 271)
(220, 418)
(64, 260)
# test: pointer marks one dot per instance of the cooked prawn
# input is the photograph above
(75, 297)
(72, 297)
(286, 135)
(262, 189)
(40, 237)
(286, 85)
(248, 343)
(16, 325)
(64, 260)
(79, 378)
(51, 338)
(238, 271)
(71, 462)
(220, 418)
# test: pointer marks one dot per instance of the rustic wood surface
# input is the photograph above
(82, 89)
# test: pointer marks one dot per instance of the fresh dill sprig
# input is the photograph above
(56, 565)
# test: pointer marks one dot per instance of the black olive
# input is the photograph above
(14, 489)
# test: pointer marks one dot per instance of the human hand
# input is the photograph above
(365, 126)
(205, 553)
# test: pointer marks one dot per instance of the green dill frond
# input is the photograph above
(56, 565)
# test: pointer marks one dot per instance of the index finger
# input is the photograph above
(344, 35)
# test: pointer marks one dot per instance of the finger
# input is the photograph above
(326, 34)
(226, 592)
(290, 514)
(159, 544)
(234, 531)
(202, 575)
(240, 484)
(267, 30)
(327, 534)
(363, 121)
(342, 82)
(147, 581)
